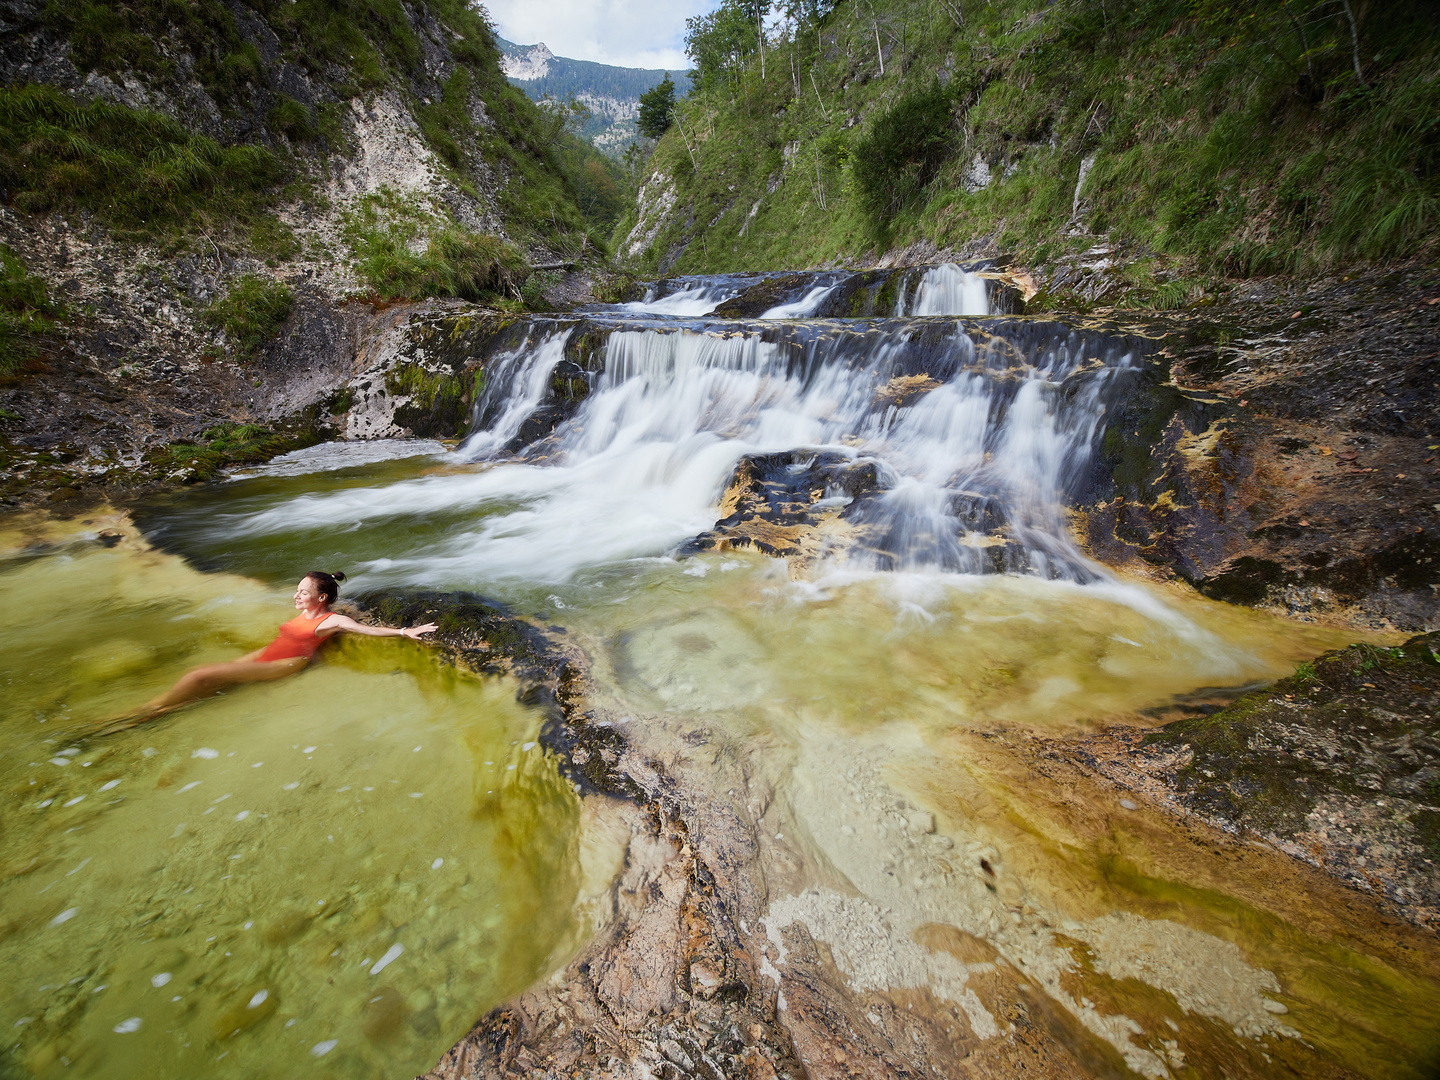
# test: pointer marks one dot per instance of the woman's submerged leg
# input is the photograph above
(202, 682)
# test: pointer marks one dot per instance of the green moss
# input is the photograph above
(251, 312)
(439, 402)
(617, 288)
(226, 445)
(1248, 765)
(28, 316)
(132, 168)
(116, 38)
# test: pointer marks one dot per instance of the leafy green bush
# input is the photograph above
(133, 168)
(252, 311)
(904, 150)
(27, 313)
(228, 444)
(386, 233)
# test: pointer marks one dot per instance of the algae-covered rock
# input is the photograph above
(1340, 763)
(482, 635)
(784, 504)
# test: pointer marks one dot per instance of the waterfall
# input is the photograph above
(516, 382)
(948, 290)
(687, 296)
(976, 432)
(803, 308)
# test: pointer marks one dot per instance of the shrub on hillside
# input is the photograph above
(252, 311)
(903, 151)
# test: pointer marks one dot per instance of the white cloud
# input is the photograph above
(638, 33)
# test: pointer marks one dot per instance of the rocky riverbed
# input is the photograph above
(723, 956)
(1063, 902)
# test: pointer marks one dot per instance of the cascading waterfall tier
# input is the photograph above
(927, 443)
(949, 289)
(973, 433)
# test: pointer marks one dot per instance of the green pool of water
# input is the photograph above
(335, 874)
(389, 802)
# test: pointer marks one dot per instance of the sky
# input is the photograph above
(628, 33)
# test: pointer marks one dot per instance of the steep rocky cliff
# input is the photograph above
(214, 201)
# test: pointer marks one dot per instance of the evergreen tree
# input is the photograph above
(657, 107)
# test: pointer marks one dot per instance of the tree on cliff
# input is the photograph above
(657, 108)
(721, 42)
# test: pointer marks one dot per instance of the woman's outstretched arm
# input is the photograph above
(343, 624)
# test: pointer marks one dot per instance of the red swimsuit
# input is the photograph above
(296, 638)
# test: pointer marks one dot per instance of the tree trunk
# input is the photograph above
(1354, 44)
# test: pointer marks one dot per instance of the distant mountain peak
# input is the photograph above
(612, 93)
(526, 61)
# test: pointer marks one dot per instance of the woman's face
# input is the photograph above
(307, 594)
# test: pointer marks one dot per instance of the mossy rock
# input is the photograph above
(1355, 724)
(484, 636)
(223, 446)
(439, 401)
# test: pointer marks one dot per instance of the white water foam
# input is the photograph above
(948, 290)
(700, 300)
(643, 462)
(803, 308)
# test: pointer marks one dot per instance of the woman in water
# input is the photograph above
(291, 650)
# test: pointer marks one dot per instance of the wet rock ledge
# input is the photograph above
(1338, 765)
(685, 979)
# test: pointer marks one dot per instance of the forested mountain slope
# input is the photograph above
(202, 197)
(1191, 137)
(612, 94)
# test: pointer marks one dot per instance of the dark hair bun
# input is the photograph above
(327, 583)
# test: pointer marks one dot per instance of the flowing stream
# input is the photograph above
(339, 872)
